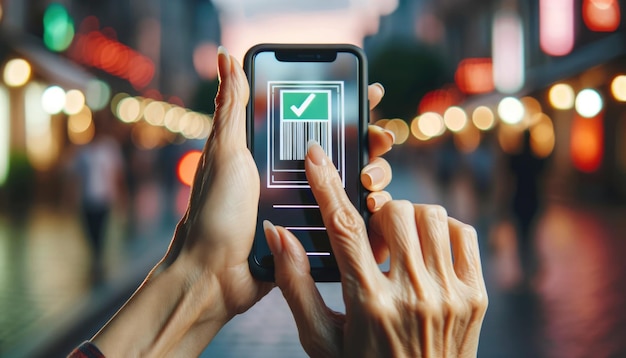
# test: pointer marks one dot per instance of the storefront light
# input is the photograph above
(16, 72)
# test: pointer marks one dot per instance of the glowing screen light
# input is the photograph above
(187, 166)
(16, 72)
(588, 103)
(587, 143)
(508, 52)
(601, 15)
(556, 26)
(511, 110)
(562, 96)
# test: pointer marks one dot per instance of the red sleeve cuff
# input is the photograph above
(86, 350)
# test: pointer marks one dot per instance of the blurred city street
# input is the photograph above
(572, 308)
(509, 114)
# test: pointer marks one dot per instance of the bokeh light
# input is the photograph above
(556, 26)
(154, 113)
(588, 103)
(483, 118)
(129, 110)
(5, 130)
(587, 144)
(542, 137)
(173, 119)
(205, 60)
(16, 72)
(80, 128)
(74, 101)
(475, 75)
(400, 130)
(58, 28)
(562, 96)
(455, 119)
(415, 130)
(97, 94)
(618, 88)
(511, 110)
(187, 166)
(601, 15)
(511, 139)
(53, 99)
(42, 146)
(431, 124)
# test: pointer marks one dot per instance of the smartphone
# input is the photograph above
(300, 93)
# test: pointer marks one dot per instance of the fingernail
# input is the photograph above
(382, 89)
(223, 61)
(316, 153)
(372, 176)
(273, 240)
(391, 135)
(375, 201)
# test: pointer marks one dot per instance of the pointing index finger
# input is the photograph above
(345, 226)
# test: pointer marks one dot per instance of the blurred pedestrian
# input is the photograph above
(99, 165)
(527, 170)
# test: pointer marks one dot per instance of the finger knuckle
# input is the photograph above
(346, 224)
(436, 211)
(479, 302)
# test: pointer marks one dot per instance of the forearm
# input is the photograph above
(178, 309)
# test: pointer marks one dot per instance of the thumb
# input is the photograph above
(229, 125)
(319, 327)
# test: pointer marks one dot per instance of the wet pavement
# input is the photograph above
(574, 306)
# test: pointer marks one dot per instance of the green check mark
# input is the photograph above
(299, 110)
(304, 105)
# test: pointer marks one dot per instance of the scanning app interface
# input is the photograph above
(295, 102)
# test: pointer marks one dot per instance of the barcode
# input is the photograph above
(297, 134)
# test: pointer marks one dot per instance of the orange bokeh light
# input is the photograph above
(475, 75)
(438, 101)
(187, 165)
(601, 15)
(587, 143)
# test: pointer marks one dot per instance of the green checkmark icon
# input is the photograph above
(305, 105)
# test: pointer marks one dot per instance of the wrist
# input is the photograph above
(174, 301)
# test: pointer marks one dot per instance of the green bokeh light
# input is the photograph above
(58, 28)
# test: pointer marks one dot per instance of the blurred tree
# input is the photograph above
(407, 69)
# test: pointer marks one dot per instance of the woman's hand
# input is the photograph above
(427, 305)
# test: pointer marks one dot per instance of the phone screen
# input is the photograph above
(297, 96)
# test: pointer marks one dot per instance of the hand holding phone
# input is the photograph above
(302, 93)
